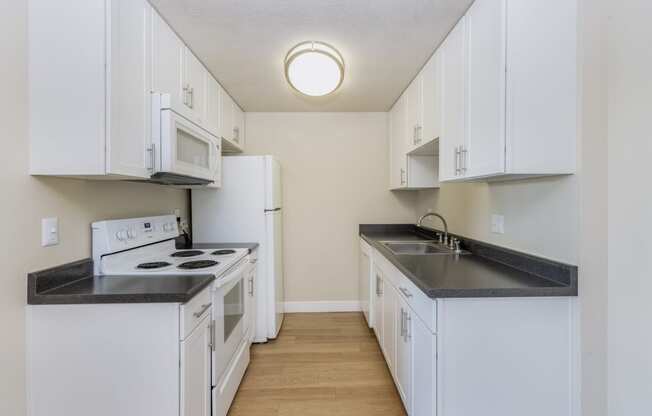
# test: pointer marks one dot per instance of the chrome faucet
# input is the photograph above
(434, 214)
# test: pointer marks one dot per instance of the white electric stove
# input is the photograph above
(145, 246)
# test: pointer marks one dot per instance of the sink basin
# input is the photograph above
(418, 248)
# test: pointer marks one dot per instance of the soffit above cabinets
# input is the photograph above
(384, 44)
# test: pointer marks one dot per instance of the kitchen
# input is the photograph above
(359, 167)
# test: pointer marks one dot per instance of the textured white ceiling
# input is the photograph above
(243, 42)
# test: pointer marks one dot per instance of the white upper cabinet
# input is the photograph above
(232, 125)
(429, 127)
(518, 91)
(194, 85)
(414, 112)
(212, 115)
(453, 57)
(398, 144)
(484, 151)
(167, 63)
(90, 112)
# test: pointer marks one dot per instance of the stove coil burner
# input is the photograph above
(153, 265)
(222, 252)
(198, 264)
(187, 253)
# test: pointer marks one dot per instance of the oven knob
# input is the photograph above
(121, 235)
(167, 227)
(131, 233)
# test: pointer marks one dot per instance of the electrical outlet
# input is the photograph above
(498, 224)
(49, 232)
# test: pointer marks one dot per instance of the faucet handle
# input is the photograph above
(456, 243)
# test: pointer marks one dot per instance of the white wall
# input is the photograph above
(629, 363)
(335, 176)
(27, 199)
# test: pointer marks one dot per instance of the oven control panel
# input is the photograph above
(117, 235)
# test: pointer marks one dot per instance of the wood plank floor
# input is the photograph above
(321, 364)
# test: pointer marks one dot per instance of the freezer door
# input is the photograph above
(273, 186)
(276, 287)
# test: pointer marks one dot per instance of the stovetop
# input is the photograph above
(163, 258)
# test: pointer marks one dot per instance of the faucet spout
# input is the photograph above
(434, 214)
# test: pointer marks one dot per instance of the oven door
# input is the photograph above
(187, 149)
(229, 315)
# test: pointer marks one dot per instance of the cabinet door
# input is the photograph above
(390, 298)
(364, 265)
(167, 62)
(424, 369)
(430, 122)
(414, 115)
(398, 144)
(129, 113)
(226, 116)
(238, 125)
(196, 371)
(250, 301)
(404, 352)
(484, 153)
(194, 86)
(453, 103)
(378, 305)
(212, 116)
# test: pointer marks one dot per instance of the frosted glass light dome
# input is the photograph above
(314, 68)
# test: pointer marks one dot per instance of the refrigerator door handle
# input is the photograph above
(273, 210)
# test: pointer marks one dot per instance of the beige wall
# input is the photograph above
(629, 151)
(335, 176)
(593, 240)
(27, 199)
(541, 215)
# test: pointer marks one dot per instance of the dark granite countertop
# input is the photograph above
(74, 283)
(488, 271)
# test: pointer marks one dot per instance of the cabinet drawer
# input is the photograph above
(420, 303)
(423, 306)
(194, 311)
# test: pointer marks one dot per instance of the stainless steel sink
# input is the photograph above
(418, 248)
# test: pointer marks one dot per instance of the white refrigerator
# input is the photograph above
(248, 208)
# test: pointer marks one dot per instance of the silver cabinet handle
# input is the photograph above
(186, 92)
(419, 133)
(192, 97)
(457, 160)
(408, 319)
(152, 157)
(414, 134)
(253, 261)
(405, 292)
(236, 134)
(212, 335)
(251, 286)
(403, 176)
(402, 326)
(463, 154)
(379, 288)
(201, 311)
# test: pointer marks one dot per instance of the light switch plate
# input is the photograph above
(498, 224)
(49, 231)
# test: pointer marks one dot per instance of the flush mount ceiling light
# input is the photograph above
(314, 68)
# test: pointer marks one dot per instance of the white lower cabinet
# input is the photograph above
(476, 356)
(404, 352)
(196, 370)
(388, 344)
(377, 305)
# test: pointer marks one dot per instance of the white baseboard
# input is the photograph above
(323, 306)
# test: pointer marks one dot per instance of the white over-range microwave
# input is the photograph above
(182, 152)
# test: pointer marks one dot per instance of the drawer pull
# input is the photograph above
(203, 309)
(405, 292)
